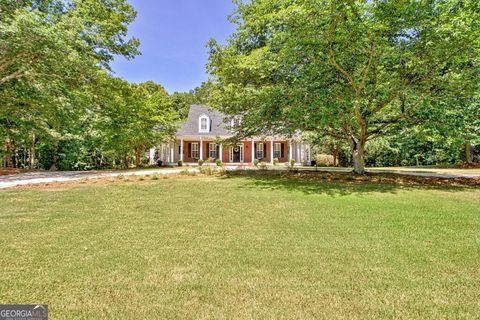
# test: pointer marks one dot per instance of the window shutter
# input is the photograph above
(189, 150)
(282, 150)
(264, 150)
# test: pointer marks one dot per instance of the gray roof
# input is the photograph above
(217, 128)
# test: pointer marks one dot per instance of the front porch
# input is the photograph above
(246, 152)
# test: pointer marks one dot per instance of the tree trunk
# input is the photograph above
(55, 158)
(7, 162)
(334, 154)
(32, 153)
(138, 155)
(358, 156)
(468, 158)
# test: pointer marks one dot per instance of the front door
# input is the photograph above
(236, 153)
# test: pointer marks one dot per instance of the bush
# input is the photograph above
(154, 176)
(256, 162)
(324, 160)
(292, 163)
(200, 162)
(262, 165)
(159, 163)
(219, 163)
(207, 170)
(275, 161)
(180, 163)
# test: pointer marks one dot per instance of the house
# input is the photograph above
(197, 139)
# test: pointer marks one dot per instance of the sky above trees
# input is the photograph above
(173, 35)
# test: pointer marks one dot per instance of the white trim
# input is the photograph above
(253, 151)
(181, 150)
(220, 151)
(210, 144)
(172, 150)
(201, 149)
(196, 150)
(207, 122)
(271, 151)
(279, 144)
(262, 150)
(290, 153)
(241, 150)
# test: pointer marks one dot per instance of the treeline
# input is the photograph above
(60, 106)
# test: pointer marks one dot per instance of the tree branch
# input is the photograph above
(332, 53)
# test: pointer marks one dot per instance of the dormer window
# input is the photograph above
(236, 122)
(204, 124)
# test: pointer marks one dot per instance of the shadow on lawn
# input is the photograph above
(341, 184)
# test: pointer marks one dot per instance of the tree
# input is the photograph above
(352, 70)
(134, 117)
(51, 51)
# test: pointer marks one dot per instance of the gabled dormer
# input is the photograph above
(204, 124)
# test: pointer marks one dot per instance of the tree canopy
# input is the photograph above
(352, 70)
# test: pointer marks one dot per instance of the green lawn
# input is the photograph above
(242, 247)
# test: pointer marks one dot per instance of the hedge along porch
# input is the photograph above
(197, 138)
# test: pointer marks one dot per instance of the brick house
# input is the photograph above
(197, 139)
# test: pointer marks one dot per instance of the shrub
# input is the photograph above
(159, 163)
(219, 163)
(200, 162)
(207, 170)
(141, 178)
(324, 160)
(292, 163)
(180, 163)
(262, 165)
(275, 161)
(154, 176)
(256, 162)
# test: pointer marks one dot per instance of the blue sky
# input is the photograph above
(173, 34)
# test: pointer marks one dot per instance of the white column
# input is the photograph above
(253, 151)
(151, 159)
(221, 153)
(172, 150)
(181, 150)
(201, 149)
(271, 151)
(290, 153)
(299, 153)
(309, 153)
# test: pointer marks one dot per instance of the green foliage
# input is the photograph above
(256, 162)
(351, 70)
(219, 163)
(180, 163)
(200, 162)
(275, 161)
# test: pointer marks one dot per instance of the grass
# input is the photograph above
(244, 246)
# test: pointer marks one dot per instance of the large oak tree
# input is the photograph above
(349, 69)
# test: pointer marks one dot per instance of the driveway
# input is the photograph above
(19, 179)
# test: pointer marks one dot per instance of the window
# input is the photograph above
(259, 153)
(204, 124)
(236, 122)
(212, 151)
(195, 153)
(277, 150)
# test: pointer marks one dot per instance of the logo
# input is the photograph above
(24, 312)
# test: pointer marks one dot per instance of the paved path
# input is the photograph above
(19, 179)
